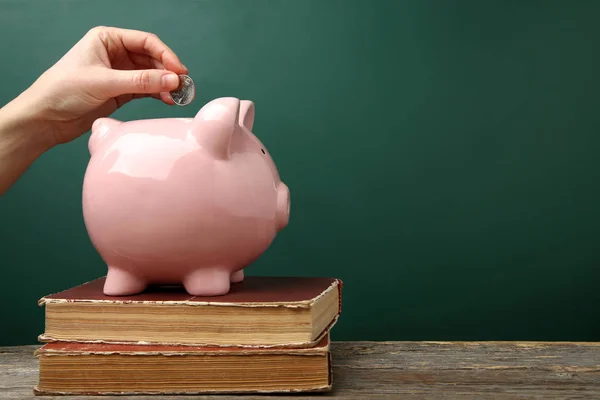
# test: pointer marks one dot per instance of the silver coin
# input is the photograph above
(186, 91)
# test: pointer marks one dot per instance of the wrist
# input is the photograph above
(22, 140)
(22, 129)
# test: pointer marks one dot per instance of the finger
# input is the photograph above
(166, 98)
(155, 96)
(126, 98)
(113, 83)
(147, 43)
(142, 61)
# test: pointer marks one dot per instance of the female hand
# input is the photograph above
(107, 68)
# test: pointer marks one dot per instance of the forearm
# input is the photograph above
(22, 140)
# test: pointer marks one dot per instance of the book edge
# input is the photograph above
(43, 338)
(39, 392)
(287, 304)
(43, 300)
(335, 319)
(318, 349)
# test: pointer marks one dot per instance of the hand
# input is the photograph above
(107, 68)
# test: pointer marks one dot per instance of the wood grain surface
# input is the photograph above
(407, 370)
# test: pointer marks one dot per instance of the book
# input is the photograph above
(67, 368)
(257, 312)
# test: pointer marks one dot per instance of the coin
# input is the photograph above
(186, 91)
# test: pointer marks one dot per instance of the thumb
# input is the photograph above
(146, 81)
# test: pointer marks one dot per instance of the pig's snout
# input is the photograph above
(283, 206)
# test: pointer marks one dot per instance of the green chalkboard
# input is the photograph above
(443, 156)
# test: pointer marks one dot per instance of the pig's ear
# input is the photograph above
(246, 114)
(100, 130)
(215, 124)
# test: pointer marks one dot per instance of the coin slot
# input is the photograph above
(263, 150)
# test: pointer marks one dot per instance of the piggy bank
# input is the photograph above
(182, 201)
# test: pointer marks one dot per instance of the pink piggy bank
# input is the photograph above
(188, 201)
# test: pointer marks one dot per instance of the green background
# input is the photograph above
(442, 155)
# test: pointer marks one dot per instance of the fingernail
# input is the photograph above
(170, 81)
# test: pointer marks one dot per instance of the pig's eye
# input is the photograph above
(263, 150)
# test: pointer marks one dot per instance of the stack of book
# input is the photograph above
(267, 335)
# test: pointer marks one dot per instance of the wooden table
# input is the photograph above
(408, 370)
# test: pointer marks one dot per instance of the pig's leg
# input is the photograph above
(237, 276)
(207, 282)
(120, 282)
